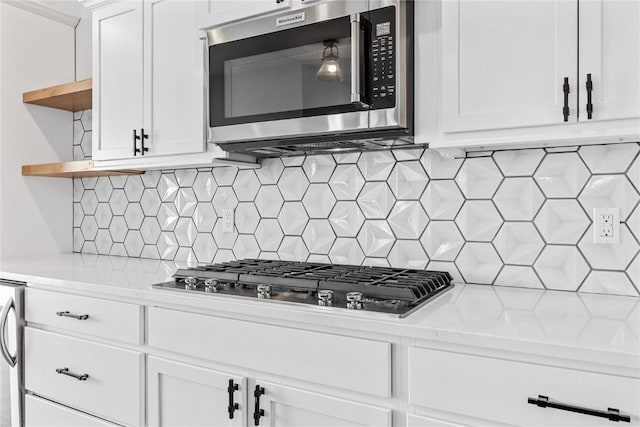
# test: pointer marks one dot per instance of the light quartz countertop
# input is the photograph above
(576, 327)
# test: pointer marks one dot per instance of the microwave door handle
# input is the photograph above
(11, 360)
(356, 60)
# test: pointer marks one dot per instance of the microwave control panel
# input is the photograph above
(382, 23)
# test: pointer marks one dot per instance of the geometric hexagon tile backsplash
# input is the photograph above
(505, 218)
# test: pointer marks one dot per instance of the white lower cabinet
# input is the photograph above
(43, 413)
(492, 390)
(185, 395)
(284, 406)
(414, 420)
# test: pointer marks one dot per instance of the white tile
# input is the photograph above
(86, 119)
(78, 189)
(479, 220)
(611, 158)
(118, 229)
(269, 235)
(376, 200)
(634, 272)
(376, 165)
(167, 187)
(133, 243)
(103, 189)
(246, 185)
(89, 202)
(319, 168)
(609, 257)
(634, 222)
(103, 242)
(634, 173)
(86, 144)
(225, 198)
(186, 232)
(134, 188)
(562, 221)
(518, 276)
(118, 202)
(408, 220)
(150, 230)
(246, 247)
(150, 202)
(78, 131)
(78, 215)
(346, 219)
(224, 239)
(346, 158)
(186, 177)
(185, 201)
(293, 161)
(78, 154)
(479, 178)
(224, 175)
(442, 199)
(518, 199)
(89, 248)
(204, 217)
(118, 181)
(376, 262)
(150, 179)
(442, 241)
(269, 201)
(293, 218)
(319, 258)
(204, 186)
(609, 282)
(609, 191)
(479, 263)
(318, 236)
(89, 183)
(438, 167)
(246, 217)
(293, 184)
(148, 251)
(403, 154)
(408, 180)
(168, 216)
(562, 175)
(224, 255)
(449, 267)
(103, 215)
(270, 171)
(408, 254)
(376, 238)
(561, 267)
(346, 182)
(319, 201)
(271, 255)
(167, 245)
(518, 162)
(118, 249)
(133, 216)
(292, 248)
(186, 255)
(518, 243)
(345, 251)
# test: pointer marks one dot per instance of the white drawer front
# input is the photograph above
(497, 390)
(106, 319)
(349, 363)
(113, 388)
(42, 413)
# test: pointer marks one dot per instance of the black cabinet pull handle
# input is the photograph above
(65, 371)
(565, 90)
(589, 86)
(257, 412)
(135, 145)
(232, 406)
(144, 136)
(74, 316)
(611, 414)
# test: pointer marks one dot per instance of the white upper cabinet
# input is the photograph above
(216, 12)
(149, 80)
(504, 63)
(117, 79)
(610, 53)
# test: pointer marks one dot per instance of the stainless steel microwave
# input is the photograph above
(334, 76)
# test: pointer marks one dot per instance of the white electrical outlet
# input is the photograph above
(606, 225)
(227, 220)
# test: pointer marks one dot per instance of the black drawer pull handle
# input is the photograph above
(65, 371)
(565, 90)
(232, 406)
(135, 147)
(589, 86)
(143, 136)
(257, 412)
(74, 316)
(611, 414)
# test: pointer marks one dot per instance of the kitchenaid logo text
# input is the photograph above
(290, 19)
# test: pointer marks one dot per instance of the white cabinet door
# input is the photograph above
(44, 413)
(419, 421)
(291, 407)
(610, 52)
(216, 12)
(504, 63)
(174, 78)
(185, 395)
(117, 79)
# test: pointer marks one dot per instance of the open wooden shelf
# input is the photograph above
(74, 96)
(76, 169)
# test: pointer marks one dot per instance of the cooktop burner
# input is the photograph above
(388, 290)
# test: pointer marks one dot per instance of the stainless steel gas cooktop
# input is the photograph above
(394, 291)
